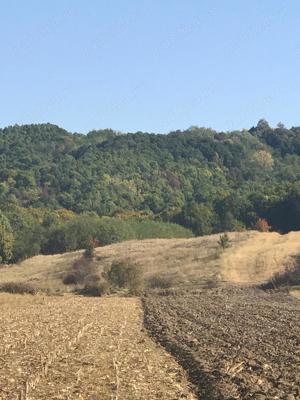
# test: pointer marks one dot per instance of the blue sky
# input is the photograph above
(150, 65)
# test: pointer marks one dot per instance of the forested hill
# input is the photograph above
(206, 180)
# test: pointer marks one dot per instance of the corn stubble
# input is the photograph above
(82, 348)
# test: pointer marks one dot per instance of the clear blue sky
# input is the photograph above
(152, 65)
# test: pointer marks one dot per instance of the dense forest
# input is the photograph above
(58, 188)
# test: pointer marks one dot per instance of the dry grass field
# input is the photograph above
(259, 258)
(252, 257)
(67, 347)
(295, 293)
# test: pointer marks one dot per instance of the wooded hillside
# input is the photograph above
(205, 180)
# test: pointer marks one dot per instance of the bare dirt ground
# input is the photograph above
(236, 343)
(82, 348)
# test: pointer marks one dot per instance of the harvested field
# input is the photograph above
(235, 343)
(82, 348)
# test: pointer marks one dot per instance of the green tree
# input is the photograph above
(6, 239)
(199, 217)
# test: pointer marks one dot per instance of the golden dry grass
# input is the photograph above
(259, 258)
(43, 271)
(252, 257)
(295, 293)
(190, 260)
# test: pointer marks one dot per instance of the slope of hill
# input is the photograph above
(252, 258)
(261, 257)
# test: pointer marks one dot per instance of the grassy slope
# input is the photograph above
(253, 257)
(259, 258)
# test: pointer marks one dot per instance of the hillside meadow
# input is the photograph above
(251, 258)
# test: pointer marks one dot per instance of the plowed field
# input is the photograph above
(235, 343)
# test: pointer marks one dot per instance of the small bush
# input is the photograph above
(125, 274)
(160, 282)
(285, 279)
(262, 225)
(94, 290)
(18, 288)
(92, 279)
(81, 268)
(70, 279)
(224, 241)
(89, 252)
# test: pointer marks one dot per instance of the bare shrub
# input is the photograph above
(161, 281)
(70, 279)
(18, 288)
(95, 289)
(287, 278)
(89, 252)
(92, 279)
(80, 270)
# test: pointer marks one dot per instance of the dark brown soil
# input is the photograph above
(235, 343)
